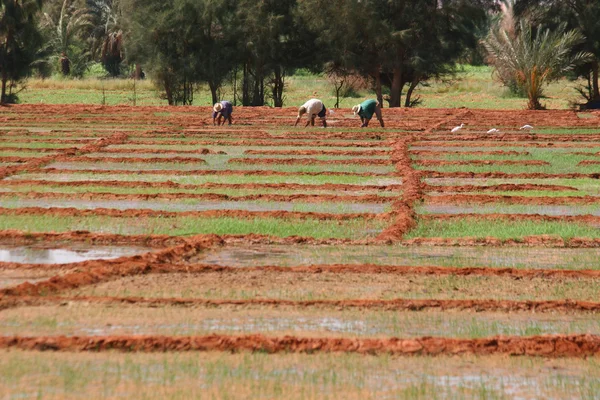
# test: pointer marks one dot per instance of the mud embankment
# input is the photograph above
(580, 219)
(63, 156)
(305, 198)
(275, 142)
(477, 305)
(506, 187)
(546, 144)
(96, 271)
(536, 346)
(206, 172)
(356, 153)
(523, 200)
(183, 186)
(142, 160)
(439, 163)
(504, 175)
(436, 153)
(526, 241)
(309, 161)
(145, 213)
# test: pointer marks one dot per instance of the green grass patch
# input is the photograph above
(145, 190)
(584, 186)
(225, 179)
(500, 208)
(39, 145)
(222, 165)
(224, 375)
(182, 226)
(481, 228)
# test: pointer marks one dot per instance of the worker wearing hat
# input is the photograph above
(365, 111)
(314, 108)
(222, 112)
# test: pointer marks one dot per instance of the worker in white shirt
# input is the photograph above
(314, 108)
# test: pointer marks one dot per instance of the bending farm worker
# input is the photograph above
(365, 111)
(222, 112)
(314, 108)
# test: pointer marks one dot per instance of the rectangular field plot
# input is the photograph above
(356, 228)
(252, 255)
(301, 263)
(159, 376)
(97, 320)
(340, 286)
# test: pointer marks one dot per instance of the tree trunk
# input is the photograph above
(378, 87)
(534, 103)
(3, 92)
(213, 91)
(235, 74)
(396, 89)
(137, 75)
(246, 86)
(168, 91)
(413, 86)
(595, 85)
(278, 87)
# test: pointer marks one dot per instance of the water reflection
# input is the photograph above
(41, 255)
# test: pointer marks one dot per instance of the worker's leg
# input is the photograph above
(229, 119)
(379, 116)
(323, 115)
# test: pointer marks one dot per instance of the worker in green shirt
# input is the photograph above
(365, 111)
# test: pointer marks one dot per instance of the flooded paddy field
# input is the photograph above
(405, 262)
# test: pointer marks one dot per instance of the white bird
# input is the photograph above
(526, 127)
(457, 128)
(493, 130)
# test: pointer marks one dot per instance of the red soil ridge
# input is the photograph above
(92, 272)
(309, 161)
(270, 143)
(537, 346)
(489, 199)
(504, 175)
(149, 160)
(308, 198)
(582, 219)
(183, 186)
(399, 270)
(480, 162)
(476, 305)
(64, 155)
(161, 151)
(527, 241)
(505, 187)
(140, 213)
(319, 152)
(548, 144)
(206, 172)
(435, 153)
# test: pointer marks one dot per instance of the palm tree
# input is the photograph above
(107, 34)
(535, 58)
(583, 15)
(64, 30)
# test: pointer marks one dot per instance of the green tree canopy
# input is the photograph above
(20, 41)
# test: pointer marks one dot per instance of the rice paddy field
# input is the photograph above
(145, 253)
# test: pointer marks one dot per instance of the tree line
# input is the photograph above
(254, 45)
